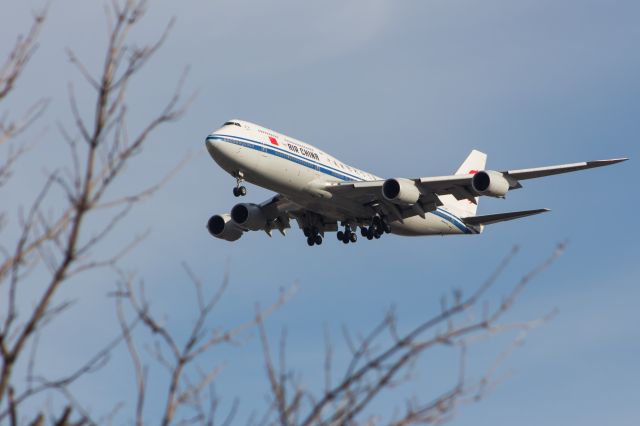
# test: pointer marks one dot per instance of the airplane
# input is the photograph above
(324, 194)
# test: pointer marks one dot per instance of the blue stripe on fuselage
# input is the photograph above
(454, 220)
(314, 165)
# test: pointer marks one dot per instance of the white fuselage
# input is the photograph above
(299, 171)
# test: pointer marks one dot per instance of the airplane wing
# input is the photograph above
(276, 210)
(458, 186)
(430, 188)
(537, 172)
(369, 193)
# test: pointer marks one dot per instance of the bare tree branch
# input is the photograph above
(181, 389)
(60, 242)
(20, 55)
(378, 367)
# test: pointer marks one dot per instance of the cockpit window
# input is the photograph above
(232, 123)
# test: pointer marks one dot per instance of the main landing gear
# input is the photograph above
(347, 236)
(239, 190)
(378, 227)
(313, 236)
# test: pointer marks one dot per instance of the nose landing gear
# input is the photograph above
(239, 190)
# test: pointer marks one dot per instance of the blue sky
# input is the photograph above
(399, 89)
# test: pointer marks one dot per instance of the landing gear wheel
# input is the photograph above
(318, 239)
(376, 236)
(363, 231)
(345, 240)
(353, 237)
(386, 227)
(239, 190)
(307, 232)
(369, 236)
(311, 241)
(340, 235)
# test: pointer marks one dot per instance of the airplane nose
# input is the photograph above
(211, 144)
(218, 148)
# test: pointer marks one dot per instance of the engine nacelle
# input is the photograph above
(249, 216)
(221, 226)
(401, 191)
(488, 182)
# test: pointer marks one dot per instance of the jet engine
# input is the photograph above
(488, 182)
(221, 226)
(249, 216)
(401, 191)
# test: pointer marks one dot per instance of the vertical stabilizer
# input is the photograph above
(475, 162)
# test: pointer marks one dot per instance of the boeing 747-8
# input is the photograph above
(324, 194)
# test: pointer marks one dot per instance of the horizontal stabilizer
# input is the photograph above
(500, 217)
